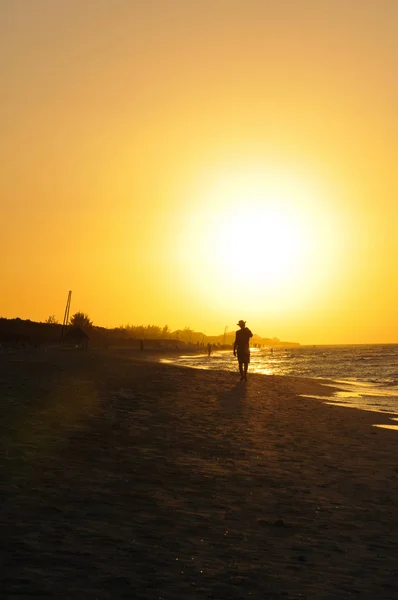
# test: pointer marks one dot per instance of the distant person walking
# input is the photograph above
(208, 349)
(242, 348)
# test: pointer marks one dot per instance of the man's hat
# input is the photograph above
(241, 322)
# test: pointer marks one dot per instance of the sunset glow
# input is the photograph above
(192, 163)
(254, 238)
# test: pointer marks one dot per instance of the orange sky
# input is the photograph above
(195, 163)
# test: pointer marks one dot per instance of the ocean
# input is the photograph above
(367, 375)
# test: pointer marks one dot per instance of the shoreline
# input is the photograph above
(365, 394)
(340, 389)
(126, 478)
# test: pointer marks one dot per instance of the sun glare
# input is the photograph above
(258, 243)
(267, 236)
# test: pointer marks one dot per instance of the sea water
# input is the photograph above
(366, 375)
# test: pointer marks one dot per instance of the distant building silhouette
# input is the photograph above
(77, 336)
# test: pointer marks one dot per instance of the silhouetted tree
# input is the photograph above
(144, 331)
(80, 319)
(165, 332)
(186, 334)
(51, 319)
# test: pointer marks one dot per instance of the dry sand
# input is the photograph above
(129, 479)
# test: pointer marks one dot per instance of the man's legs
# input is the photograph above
(246, 365)
(241, 370)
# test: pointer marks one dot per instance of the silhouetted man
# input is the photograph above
(242, 348)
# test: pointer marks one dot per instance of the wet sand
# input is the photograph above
(122, 478)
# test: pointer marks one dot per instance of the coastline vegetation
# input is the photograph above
(14, 331)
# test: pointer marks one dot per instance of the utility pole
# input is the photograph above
(66, 315)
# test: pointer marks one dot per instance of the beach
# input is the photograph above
(122, 477)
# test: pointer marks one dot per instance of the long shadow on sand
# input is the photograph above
(232, 401)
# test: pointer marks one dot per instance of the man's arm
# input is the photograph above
(235, 346)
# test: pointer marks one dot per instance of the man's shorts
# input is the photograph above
(243, 355)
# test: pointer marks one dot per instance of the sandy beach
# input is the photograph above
(127, 478)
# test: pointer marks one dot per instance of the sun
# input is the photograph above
(259, 238)
(258, 243)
